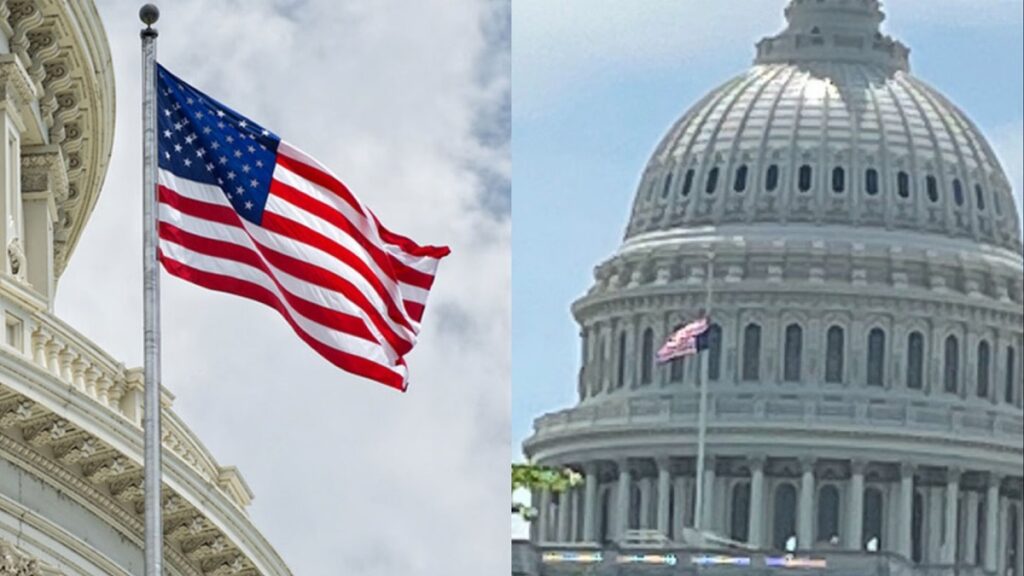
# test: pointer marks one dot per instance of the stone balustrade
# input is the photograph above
(803, 409)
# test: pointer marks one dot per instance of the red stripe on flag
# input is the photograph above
(298, 268)
(325, 180)
(393, 267)
(221, 283)
(333, 319)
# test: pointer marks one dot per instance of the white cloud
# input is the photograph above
(350, 477)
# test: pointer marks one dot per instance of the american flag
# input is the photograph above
(244, 212)
(684, 342)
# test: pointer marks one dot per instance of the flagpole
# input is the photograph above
(149, 14)
(702, 379)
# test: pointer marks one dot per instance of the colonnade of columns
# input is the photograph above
(928, 515)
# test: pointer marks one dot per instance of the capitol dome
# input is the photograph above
(854, 238)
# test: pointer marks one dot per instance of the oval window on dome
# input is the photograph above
(933, 188)
(979, 197)
(771, 181)
(838, 180)
(871, 182)
(805, 178)
(712, 181)
(688, 182)
(740, 184)
(667, 186)
(958, 192)
(903, 184)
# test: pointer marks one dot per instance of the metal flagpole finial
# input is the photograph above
(149, 14)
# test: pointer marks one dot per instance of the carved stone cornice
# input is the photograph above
(43, 170)
(15, 81)
(14, 562)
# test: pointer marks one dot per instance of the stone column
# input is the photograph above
(708, 509)
(644, 515)
(544, 523)
(1019, 569)
(971, 529)
(1004, 536)
(574, 522)
(622, 501)
(589, 502)
(992, 523)
(755, 519)
(906, 510)
(933, 530)
(855, 507)
(805, 516)
(563, 516)
(664, 494)
(679, 495)
(952, 505)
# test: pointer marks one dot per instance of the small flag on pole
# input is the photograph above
(244, 212)
(686, 341)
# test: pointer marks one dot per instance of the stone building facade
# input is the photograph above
(71, 439)
(865, 362)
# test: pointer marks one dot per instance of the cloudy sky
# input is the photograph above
(409, 103)
(597, 84)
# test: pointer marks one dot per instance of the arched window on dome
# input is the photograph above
(1011, 364)
(804, 178)
(876, 357)
(979, 200)
(917, 528)
(873, 514)
(739, 511)
(871, 182)
(687, 182)
(951, 365)
(771, 179)
(932, 187)
(984, 369)
(828, 513)
(915, 361)
(602, 363)
(714, 352)
(675, 366)
(751, 352)
(793, 355)
(783, 515)
(999, 211)
(740, 183)
(712, 181)
(838, 180)
(620, 376)
(667, 187)
(903, 184)
(834, 344)
(958, 192)
(647, 357)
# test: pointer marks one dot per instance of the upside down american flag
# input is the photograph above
(242, 211)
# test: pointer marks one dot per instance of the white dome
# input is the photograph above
(828, 127)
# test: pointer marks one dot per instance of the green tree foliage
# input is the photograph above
(532, 477)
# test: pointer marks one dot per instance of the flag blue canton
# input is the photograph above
(202, 140)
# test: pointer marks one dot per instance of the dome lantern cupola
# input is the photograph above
(834, 30)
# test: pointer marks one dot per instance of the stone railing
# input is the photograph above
(801, 410)
(59, 351)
